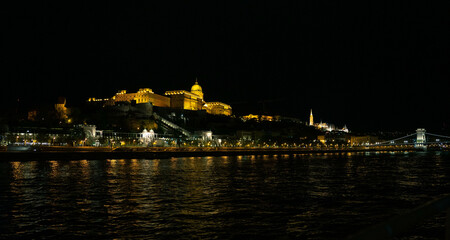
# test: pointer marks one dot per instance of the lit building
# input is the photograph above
(218, 108)
(181, 99)
(259, 118)
(336, 137)
(363, 140)
(144, 95)
(321, 139)
(325, 126)
(250, 117)
(322, 125)
(177, 99)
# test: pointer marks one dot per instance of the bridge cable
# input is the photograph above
(398, 138)
(436, 135)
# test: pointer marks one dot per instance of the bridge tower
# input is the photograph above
(421, 139)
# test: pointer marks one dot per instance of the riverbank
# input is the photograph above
(90, 153)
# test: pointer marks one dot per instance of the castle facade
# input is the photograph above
(177, 99)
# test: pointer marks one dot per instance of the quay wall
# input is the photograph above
(94, 153)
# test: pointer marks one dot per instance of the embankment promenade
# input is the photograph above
(92, 153)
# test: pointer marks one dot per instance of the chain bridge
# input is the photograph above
(420, 139)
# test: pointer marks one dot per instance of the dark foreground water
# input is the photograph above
(245, 197)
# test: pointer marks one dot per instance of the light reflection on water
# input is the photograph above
(312, 196)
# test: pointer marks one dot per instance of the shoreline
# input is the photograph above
(90, 153)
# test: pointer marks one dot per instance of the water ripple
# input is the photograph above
(282, 197)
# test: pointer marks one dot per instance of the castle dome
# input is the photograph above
(196, 89)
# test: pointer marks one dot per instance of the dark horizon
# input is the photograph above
(372, 66)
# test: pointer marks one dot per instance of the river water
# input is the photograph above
(310, 196)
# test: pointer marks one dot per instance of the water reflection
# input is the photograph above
(16, 170)
(310, 196)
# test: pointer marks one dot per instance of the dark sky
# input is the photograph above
(372, 65)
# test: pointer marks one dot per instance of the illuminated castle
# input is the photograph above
(177, 99)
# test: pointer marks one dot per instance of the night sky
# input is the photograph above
(372, 66)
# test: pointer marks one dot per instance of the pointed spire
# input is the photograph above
(196, 81)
